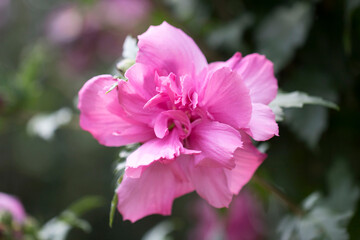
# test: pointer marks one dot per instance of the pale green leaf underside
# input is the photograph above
(296, 100)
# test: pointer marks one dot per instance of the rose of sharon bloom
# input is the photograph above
(194, 121)
(13, 206)
(244, 220)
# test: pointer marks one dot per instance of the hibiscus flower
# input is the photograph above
(194, 121)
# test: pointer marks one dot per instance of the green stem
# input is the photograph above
(279, 194)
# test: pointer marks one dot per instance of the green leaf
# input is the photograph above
(86, 204)
(283, 31)
(130, 48)
(160, 231)
(326, 217)
(44, 125)
(58, 228)
(31, 66)
(113, 209)
(129, 53)
(229, 37)
(296, 100)
(307, 124)
(343, 194)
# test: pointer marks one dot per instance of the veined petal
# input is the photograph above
(133, 104)
(152, 193)
(166, 148)
(226, 98)
(103, 117)
(262, 125)
(209, 182)
(258, 75)
(142, 79)
(217, 143)
(168, 49)
(247, 160)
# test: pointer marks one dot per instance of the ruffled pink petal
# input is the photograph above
(188, 95)
(168, 148)
(152, 193)
(177, 117)
(247, 160)
(209, 182)
(134, 104)
(262, 125)
(217, 143)
(141, 78)
(12, 205)
(257, 73)
(226, 98)
(103, 117)
(168, 49)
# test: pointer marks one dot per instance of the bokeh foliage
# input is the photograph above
(312, 43)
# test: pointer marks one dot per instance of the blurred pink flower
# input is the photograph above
(65, 25)
(4, 11)
(243, 221)
(89, 35)
(12, 205)
(122, 13)
(193, 118)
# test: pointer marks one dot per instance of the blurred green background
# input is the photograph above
(48, 49)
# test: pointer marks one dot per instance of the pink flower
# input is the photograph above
(87, 35)
(124, 13)
(244, 220)
(193, 118)
(5, 11)
(12, 205)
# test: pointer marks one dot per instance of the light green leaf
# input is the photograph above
(307, 124)
(44, 125)
(160, 231)
(327, 217)
(296, 100)
(86, 204)
(230, 36)
(130, 48)
(54, 229)
(129, 53)
(283, 31)
(319, 223)
(58, 228)
(343, 194)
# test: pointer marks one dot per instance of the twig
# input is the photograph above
(292, 206)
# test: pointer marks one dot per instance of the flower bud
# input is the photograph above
(124, 65)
